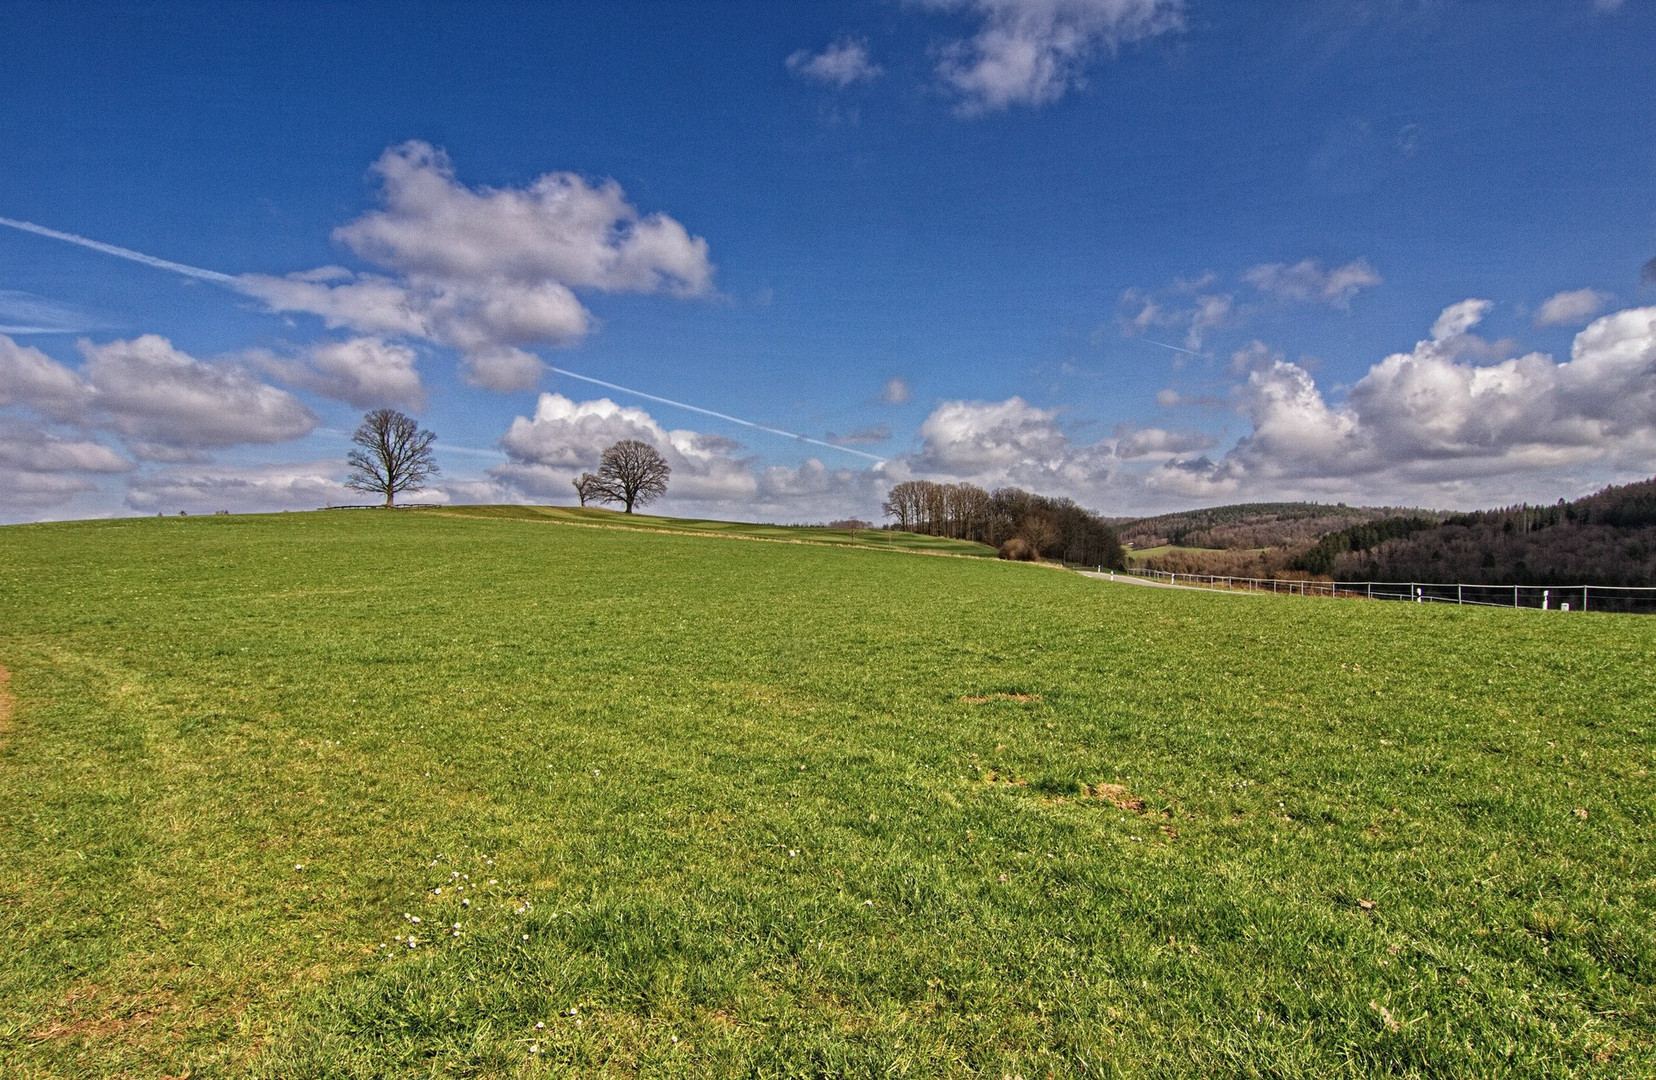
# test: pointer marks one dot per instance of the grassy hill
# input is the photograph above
(665, 805)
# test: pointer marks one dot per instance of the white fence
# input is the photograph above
(1544, 597)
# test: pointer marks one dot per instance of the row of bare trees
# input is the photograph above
(1040, 525)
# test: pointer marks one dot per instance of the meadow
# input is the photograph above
(501, 794)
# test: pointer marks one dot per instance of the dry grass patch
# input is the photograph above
(1116, 795)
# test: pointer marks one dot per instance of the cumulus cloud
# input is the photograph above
(710, 474)
(39, 468)
(490, 271)
(164, 399)
(367, 372)
(1571, 308)
(565, 438)
(1458, 319)
(204, 489)
(840, 64)
(34, 449)
(30, 377)
(166, 403)
(1306, 282)
(1032, 52)
(1437, 416)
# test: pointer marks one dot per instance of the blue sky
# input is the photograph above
(1148, 254)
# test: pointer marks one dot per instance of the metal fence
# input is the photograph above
(1627, 599)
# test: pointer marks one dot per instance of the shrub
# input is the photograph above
(1018, 548)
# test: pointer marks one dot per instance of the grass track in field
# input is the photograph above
(806, 810)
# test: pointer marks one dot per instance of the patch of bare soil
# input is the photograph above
(993, 777)
(979, 699)
(1114, 794)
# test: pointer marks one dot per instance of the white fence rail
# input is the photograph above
(1544, 597)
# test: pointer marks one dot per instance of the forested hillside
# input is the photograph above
(1608, 538)
(1252, 525)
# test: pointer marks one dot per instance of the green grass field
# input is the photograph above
(670, 805)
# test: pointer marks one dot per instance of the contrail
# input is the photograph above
(121, 252)
(1175, 348)
(231, 281)
(710, 412)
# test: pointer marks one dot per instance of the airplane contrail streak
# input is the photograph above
(230, 280)
(1175, 348)
(120, 252)
(710, 412)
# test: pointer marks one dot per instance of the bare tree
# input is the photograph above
(632, 472)
(587, 487)
(395, 455)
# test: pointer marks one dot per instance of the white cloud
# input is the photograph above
(710, 475)
(202, 490)
(1458, 319)
(162, 398)
(367, 372)
(29, 490)
(1032, 52)
(896, 391)
(1142, 311)
(30, 377)
(40, 469)
(1141, 444)
(24, 313)
(168, 404)
(490, 271)
(1432, 420)
(1307, 282)
(842, 63)
(1571, 308)
(565, 438)
(33, 449)
(972, 438)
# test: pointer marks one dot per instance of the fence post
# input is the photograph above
(1584, 597)
(1458, 599)
(1546, 595)
(1515, 596)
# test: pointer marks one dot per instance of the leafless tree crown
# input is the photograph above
(587, 487)
(631, 472)
(394, 454)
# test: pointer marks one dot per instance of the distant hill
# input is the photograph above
(1254, 525)
(1607, 538)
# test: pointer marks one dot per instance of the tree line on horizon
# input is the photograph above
(1021, 524)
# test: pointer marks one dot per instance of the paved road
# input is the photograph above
(1129, 579)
